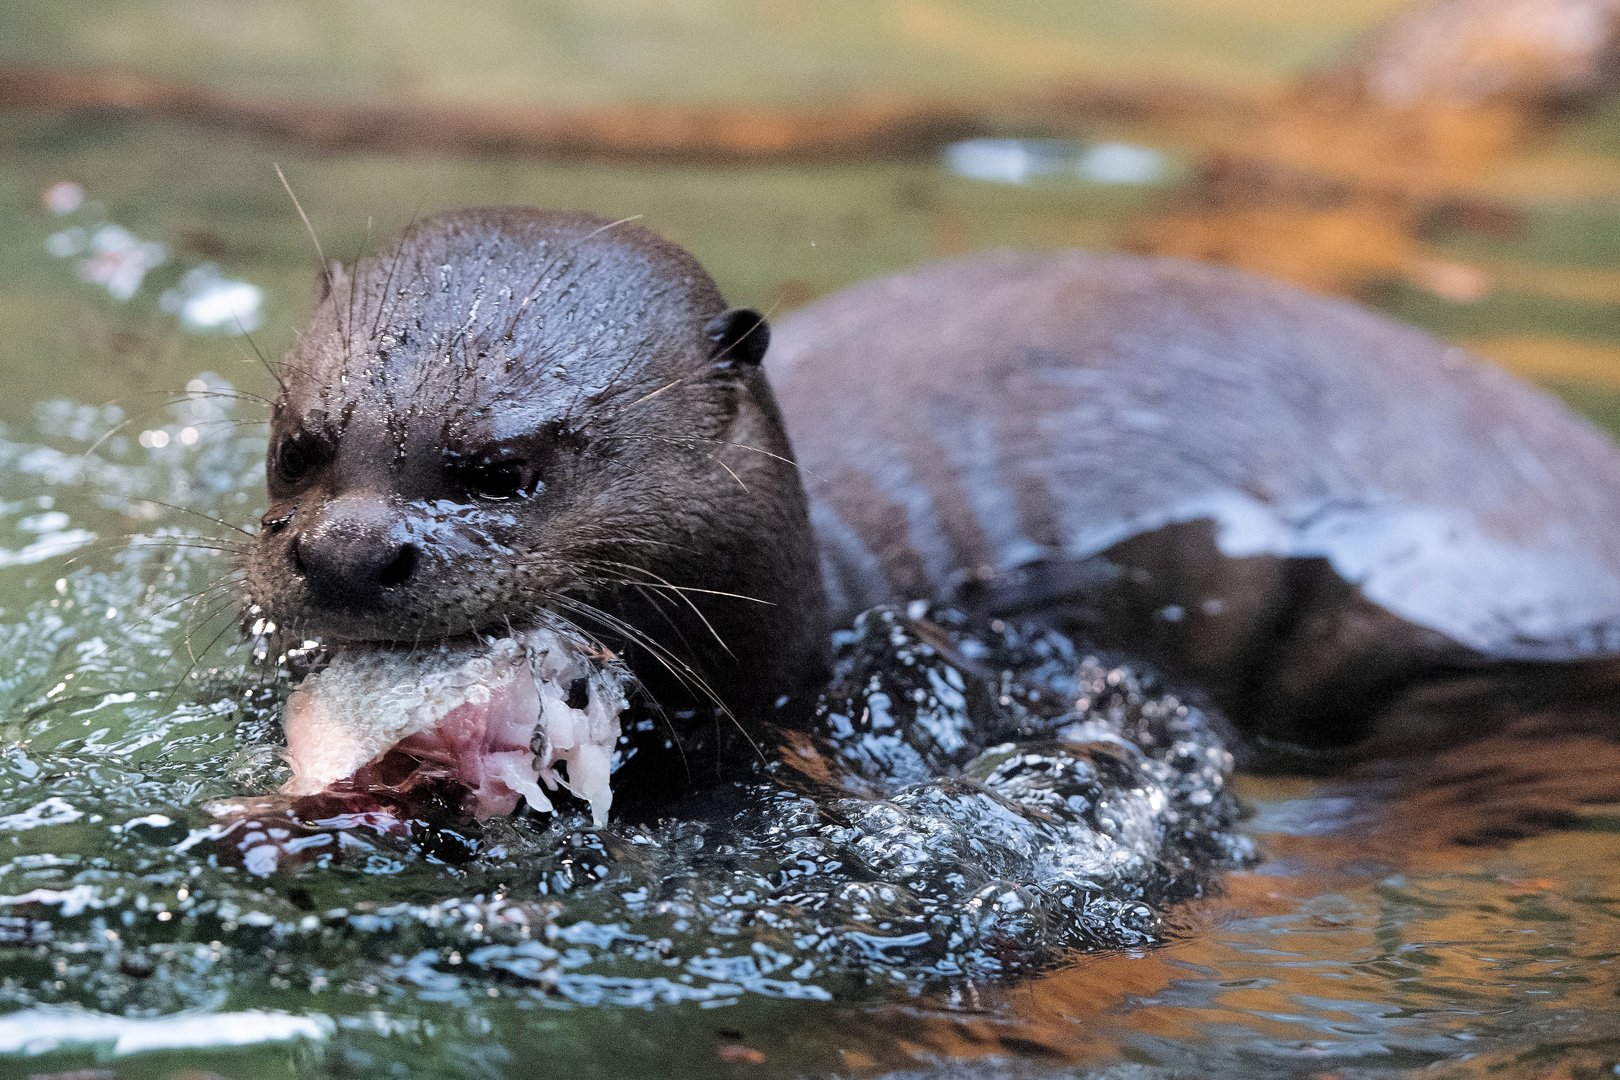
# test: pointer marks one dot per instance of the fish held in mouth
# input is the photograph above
(505, 720)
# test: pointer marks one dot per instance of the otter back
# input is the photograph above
(1304, 506)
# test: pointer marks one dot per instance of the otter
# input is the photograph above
(512, 413)
(1306, 508)
(1348, 532)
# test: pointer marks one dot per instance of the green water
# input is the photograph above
(1348, 950)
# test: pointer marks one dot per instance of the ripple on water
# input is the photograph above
(974, 802)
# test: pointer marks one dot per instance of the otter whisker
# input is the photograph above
(648, 397)
(553, 264)
(196, 513)
(696, 440)
(196, 657)
(228, 580)
(229, 421)
(199, 543)
(683, 675)
(143, 414)
(148, 540)
(181, 397)
(220, 590)
(663, 583)
(633, 357)
(635, 683)
(242, 332)
(225, 393)
(115, 429)
(326, 267)
(691, 679)
(689, 376)
(657, 605)
(605, 540)
(716, 459)
(616, 541)
(385, 307)
(598, 231)
(359, 248)
(677, 667)
(703, 371)
(215, 585)
(416, 642)
(642, 587)
(212, 610)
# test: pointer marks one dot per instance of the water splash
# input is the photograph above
(974, 803)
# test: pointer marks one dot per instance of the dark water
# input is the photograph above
(1086, 903)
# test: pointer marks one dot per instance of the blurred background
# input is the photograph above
(1455, 163)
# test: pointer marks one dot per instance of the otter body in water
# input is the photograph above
(1304, 506)
(517, 417)
(1308, 509)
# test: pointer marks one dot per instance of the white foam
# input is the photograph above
(42, 1031)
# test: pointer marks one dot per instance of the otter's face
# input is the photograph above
(508, 416)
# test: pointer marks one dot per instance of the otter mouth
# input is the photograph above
(500, 721)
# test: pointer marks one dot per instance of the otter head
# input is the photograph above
(515, 416)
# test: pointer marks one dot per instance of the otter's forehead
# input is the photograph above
(447, 416)
(471, 307)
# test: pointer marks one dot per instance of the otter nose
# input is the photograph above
(353, 553)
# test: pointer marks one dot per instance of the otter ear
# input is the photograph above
(739, 338)
(328, 280)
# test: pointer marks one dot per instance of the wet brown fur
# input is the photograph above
(665, 514)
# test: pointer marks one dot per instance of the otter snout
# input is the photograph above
(352, 553)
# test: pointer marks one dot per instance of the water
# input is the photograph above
(139, 933)
(941, 831)
(1071, 906)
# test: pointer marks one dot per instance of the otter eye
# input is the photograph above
(295, 457)
(496, 481)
